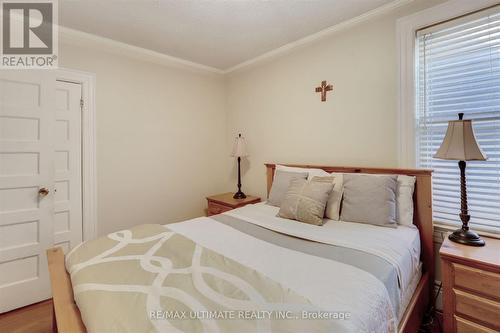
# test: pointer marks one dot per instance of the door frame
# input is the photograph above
(89, 154)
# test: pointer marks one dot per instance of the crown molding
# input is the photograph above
(80, 38)
(288, 48)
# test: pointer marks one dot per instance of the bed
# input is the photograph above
(381, 282)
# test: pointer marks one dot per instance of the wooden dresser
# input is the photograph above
(221, 203)
(471, 287)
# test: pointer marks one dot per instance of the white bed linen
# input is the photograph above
(327, 284)
(410, 290)
(400, 246)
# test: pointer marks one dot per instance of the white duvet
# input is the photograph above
(329, 285)
(400, 246)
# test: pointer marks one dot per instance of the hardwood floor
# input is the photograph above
(36, 318)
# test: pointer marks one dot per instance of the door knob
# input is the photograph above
(43, 192)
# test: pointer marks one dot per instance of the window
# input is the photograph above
(458, 70)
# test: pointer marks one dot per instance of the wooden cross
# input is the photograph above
(323, 89)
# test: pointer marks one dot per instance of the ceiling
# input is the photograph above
(215, 33)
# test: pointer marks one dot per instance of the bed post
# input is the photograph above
(67, 317)
(423, 220)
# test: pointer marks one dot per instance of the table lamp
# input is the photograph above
(239, 151)
(460, 144)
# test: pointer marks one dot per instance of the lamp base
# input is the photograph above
(239, 195)
(466, 237)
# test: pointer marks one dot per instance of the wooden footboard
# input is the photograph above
(67, 317)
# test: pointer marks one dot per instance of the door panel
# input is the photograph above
(27, 110)
(67, 164)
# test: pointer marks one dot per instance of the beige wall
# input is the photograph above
(159, 136)
(274, 105)
(164, 134)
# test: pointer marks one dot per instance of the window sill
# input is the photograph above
(445, 228)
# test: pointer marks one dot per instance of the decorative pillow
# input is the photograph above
(333, 205)
(335, 196)
(404, 209)
(281, 182)
(370, 199)
(306, 201)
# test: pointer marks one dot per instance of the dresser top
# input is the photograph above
(488, 255)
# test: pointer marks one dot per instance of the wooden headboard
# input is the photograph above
(422, 199)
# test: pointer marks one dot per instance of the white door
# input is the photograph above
(39, 150)
(27, 103)
(68, 165)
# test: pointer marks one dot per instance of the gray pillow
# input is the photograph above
(370, 199)
(306, 201)
(281, 182)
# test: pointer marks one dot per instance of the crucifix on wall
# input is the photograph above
(323, 89)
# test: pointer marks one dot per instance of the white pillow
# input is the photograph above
(311, 172)
(317, 173)
(332, 210)
(404, 196)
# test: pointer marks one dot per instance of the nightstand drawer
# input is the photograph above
(477, 308)
(465, 326)
(471, 287)
(214, 208)
(224, 202)
(486, 283)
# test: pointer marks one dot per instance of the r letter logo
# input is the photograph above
(29, 34)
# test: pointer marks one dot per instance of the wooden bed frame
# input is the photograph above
(67, 318)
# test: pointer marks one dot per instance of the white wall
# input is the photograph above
(164, 134)
(275, 107)
(160, 131)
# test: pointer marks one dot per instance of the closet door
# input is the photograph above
(27, 110)
(68, 165)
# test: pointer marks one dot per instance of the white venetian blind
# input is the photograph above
(459, 71)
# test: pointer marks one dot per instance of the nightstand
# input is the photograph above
(471, 287)
(221, 203)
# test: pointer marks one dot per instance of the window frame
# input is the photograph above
(407, 48)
